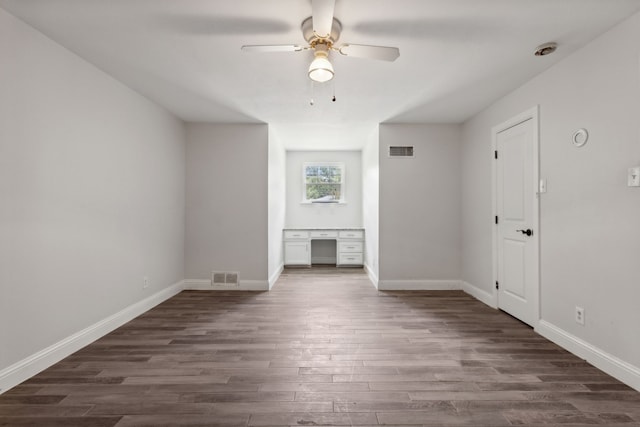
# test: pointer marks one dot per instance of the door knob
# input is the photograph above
(528, 231)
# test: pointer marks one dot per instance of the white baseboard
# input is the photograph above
(610, 364)
(275, 276)
(418, 285)
(37, 362)
(480, 294)
(198, 285)
(254, 285)
(244, 285)
(372, 276)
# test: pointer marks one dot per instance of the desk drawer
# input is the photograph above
(318, 234)
(296, 234)
(355, 247)
(350, 259)
(352, 234)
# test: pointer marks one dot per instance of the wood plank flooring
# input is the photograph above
(322, 348)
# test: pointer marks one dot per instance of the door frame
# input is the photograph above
(530, 114)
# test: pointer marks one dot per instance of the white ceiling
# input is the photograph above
(456, 56)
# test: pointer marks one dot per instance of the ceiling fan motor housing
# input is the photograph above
(312, 38)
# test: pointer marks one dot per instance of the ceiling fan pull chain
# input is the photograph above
(313, 87)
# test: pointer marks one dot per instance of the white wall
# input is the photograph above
(589, 231)
(371, 204)
(277, 205)
(92, 194)
(227, 200)
(420, 201)
(348, 214)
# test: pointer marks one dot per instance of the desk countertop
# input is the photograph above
(322, 228)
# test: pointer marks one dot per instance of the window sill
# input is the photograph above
(324, 203)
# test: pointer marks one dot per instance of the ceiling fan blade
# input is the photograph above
(272, 48)
(382, 53)
(322, 16)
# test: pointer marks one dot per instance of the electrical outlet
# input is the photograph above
(580, 315)
(145, 283)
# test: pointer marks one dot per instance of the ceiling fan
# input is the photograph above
(321, 31)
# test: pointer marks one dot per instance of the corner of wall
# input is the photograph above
(276, 206)
(371, 204)
(372, 276)
(480, 294)
(276, 275)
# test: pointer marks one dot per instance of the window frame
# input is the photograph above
(339, 165)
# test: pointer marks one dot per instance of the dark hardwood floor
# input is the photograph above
(322, 348)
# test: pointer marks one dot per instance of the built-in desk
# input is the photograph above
(349, 245)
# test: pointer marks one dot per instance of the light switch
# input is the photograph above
(542, 187)
(633, 179)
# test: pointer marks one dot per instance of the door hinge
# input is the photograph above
(495, 154)
(496, 219)
(497, 285)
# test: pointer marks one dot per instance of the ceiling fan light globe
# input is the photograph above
(320, 70)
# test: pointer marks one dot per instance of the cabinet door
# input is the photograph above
(350, 259)
(296, 234)
(350, 247)
(351, 234)
(296, 253)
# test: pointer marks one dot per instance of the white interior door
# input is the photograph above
(516, 206)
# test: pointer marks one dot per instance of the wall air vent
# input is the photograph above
(401, 151)
(224, 279)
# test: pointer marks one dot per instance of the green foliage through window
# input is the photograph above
(323, 182)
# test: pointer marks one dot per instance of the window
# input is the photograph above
(323, 183)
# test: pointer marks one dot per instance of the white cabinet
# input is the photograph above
(351, 234)
(296, 234)
(297, 252)
(324, 234)
(349, 245)
(350, 259)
